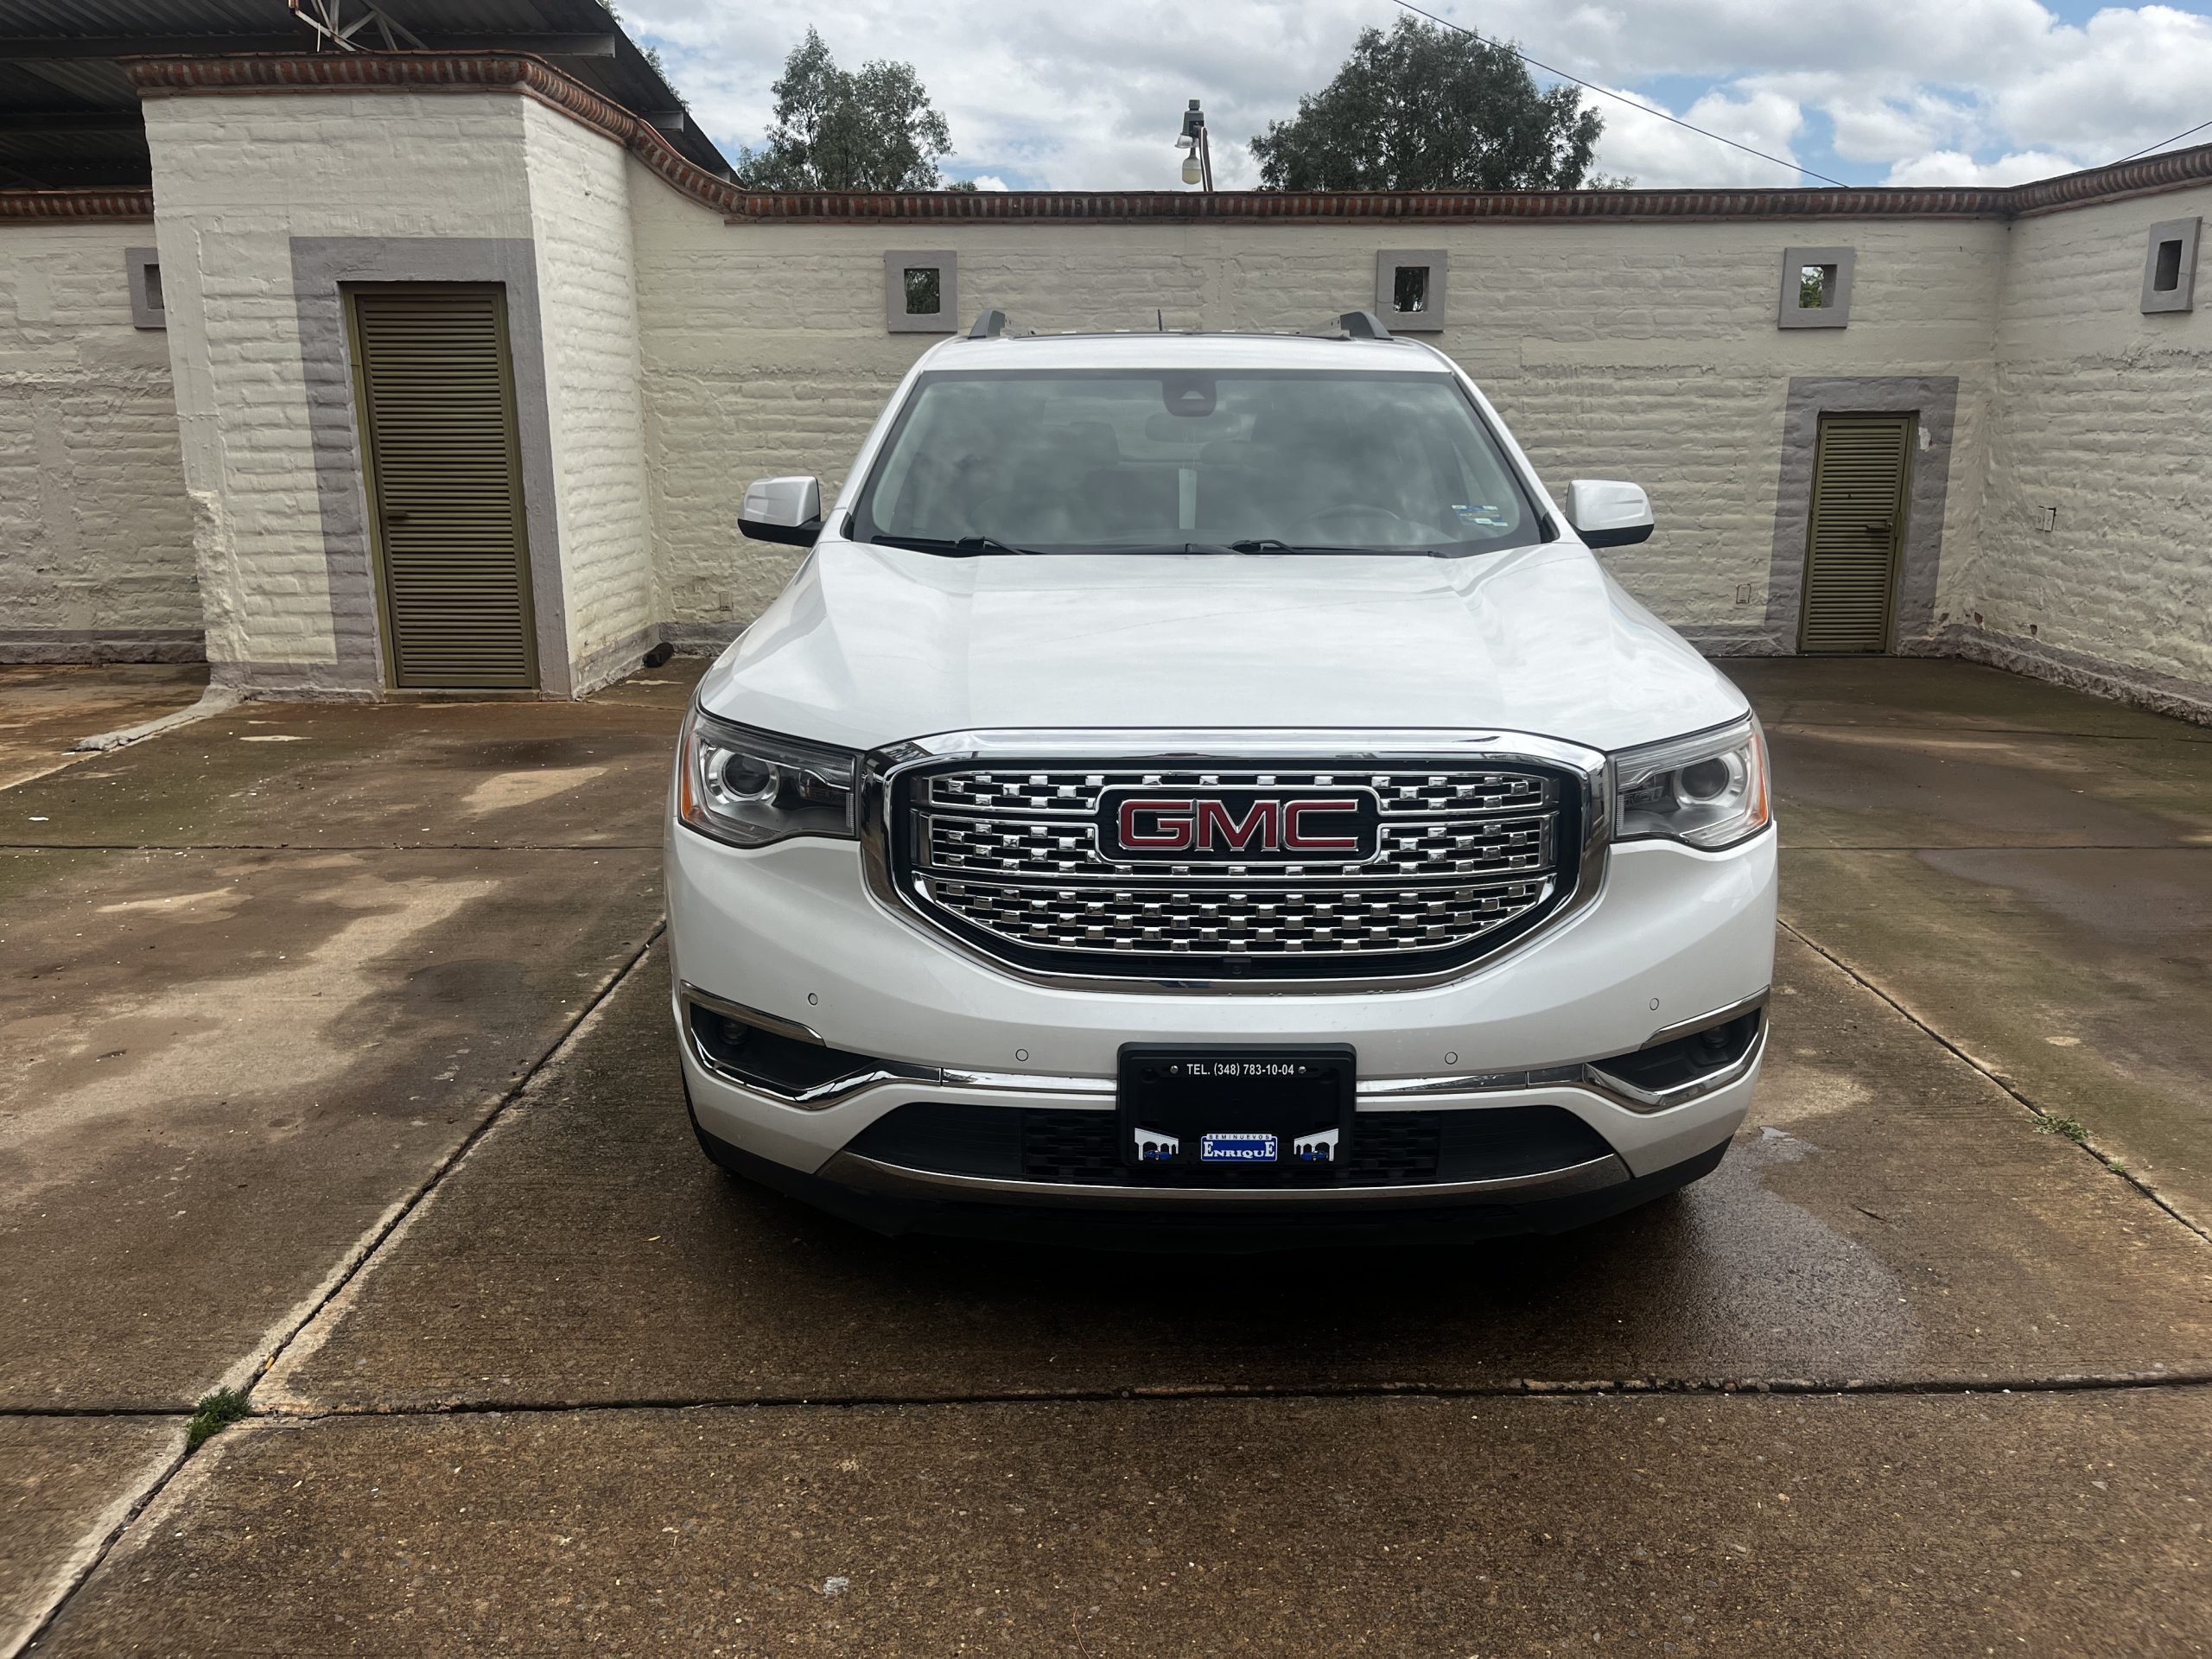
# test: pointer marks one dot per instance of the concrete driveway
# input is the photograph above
(336, 1067)
(44, 711)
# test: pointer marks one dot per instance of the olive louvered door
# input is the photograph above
(445, 484)
(1857, 525)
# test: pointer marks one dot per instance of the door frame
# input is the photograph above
(349, 296)
(1900, 525)
(320, 266)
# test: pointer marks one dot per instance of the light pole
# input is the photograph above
(1197, 165)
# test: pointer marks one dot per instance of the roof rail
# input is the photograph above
(990, 326)
(1362, 325)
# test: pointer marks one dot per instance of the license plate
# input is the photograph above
(1224, 1106)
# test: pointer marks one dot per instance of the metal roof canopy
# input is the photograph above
(70, 120)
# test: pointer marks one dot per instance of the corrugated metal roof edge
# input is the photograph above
(534, 77)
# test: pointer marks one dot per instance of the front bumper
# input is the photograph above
(792, 932)
(1336, 1219)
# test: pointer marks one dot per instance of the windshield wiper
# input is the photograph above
(1269, 544)
(966, 547)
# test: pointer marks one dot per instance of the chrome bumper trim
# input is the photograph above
(1647, 1101)
(895, 1180)
(1707, 1021)
(1588, 1074)
(746, 1016)
(822, 1096)
(877, 1073)
(1382, 1092)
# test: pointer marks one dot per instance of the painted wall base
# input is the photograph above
(63, 645)
(618, 660)
(2157, 694)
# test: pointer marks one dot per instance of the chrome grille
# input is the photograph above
(1010, 857)
(1453, 793)
(1274, 921)
(1003, 846)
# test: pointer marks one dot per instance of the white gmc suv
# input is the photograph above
(1199, 787)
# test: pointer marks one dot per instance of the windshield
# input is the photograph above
(1163, 460)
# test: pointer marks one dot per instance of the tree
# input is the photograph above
(834, 130)
(1428, 108)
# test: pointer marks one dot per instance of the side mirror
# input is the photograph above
(786, 510)
(1607, 513)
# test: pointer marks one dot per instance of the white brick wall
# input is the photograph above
(587, 303)
(95, 538)
(1647, 352)
(682, 356)
(2105, 414)
(235, 179)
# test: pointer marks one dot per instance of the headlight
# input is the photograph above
(750, 788)
(1709, 789)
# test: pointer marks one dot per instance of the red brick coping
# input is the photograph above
(18, 207)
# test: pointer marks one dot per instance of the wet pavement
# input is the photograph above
(2047, 1523)
(2023, 870)
(584, 1254)
(335, 1064)
(44, 711)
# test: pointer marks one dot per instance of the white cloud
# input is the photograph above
(2132, 78)
(1877, 124)
(1949, 168)
(1089, 97)
(1659, 155)
(987, 181)
(1068, 96)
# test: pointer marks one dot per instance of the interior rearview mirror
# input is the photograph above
(786, 510)
(1607, 513)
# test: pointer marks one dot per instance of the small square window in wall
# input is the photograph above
(2170, 266)
(1816, 288)
(921, 293)
(141, 269)
(1409, 289)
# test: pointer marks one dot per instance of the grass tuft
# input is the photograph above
(2052, 1123)
(217, 1412)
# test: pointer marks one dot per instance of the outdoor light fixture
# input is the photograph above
(1197, 165)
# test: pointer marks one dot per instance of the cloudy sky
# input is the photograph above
(1087, 94)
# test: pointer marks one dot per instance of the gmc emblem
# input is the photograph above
(1239, 826)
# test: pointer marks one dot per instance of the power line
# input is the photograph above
(2162, 144)
(1604, 92)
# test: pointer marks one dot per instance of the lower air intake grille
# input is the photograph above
(1078, 1148)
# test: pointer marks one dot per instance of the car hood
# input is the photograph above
(869, 644)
